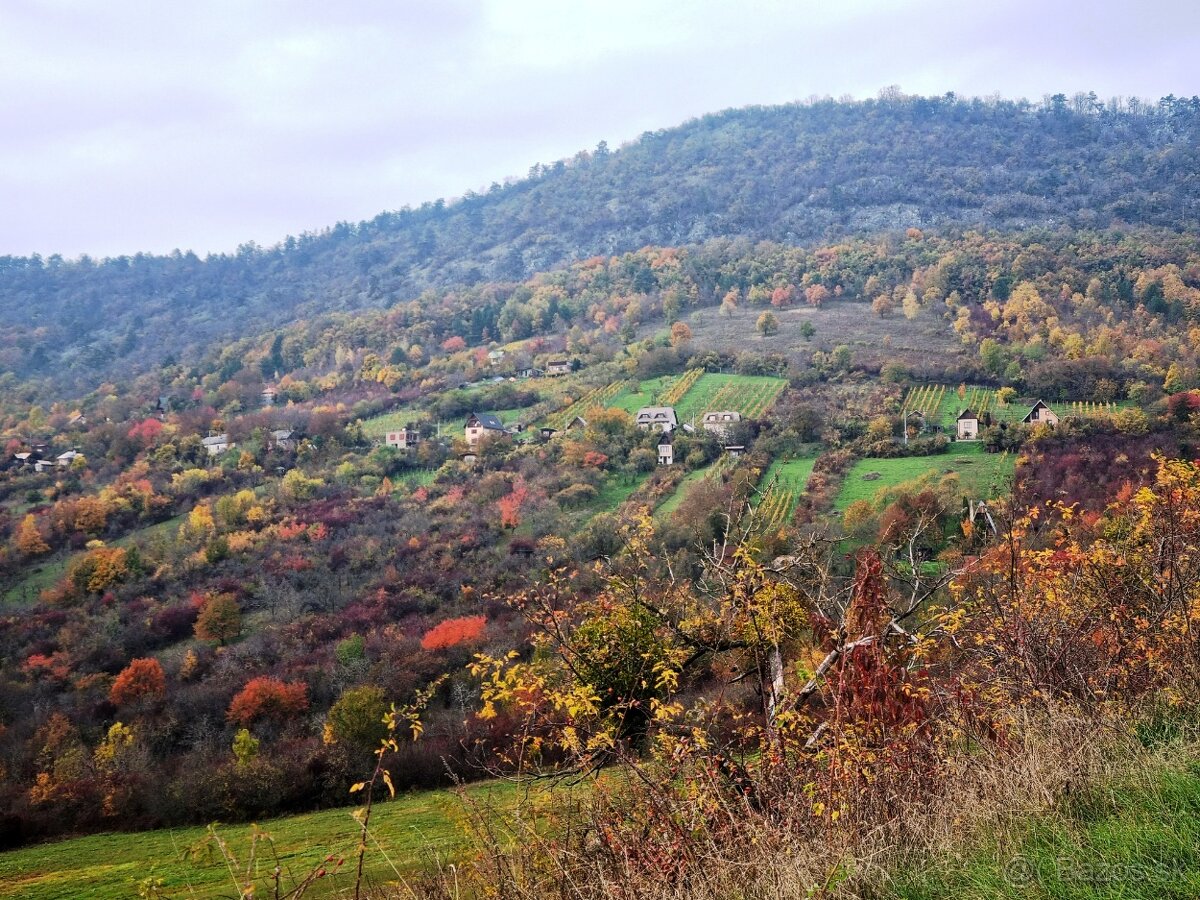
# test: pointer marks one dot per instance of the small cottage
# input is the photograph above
(480, 424)
(558, 367)
(735, 450)
(283, 439)
(660, 417)
(216, 444)
(547, 432)
(268, 396)
(403, 438)
(529, 372)
(666, 452)
(1041, 414)
(64, 460)
(968, 425)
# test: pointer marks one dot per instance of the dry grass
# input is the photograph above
(983, 801)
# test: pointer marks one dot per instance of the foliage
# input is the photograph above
(453, 632)
(268, 699)
(142, 680)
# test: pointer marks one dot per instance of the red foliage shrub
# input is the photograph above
(265, 698)
(142, 679)
(453, 632)
(146, 431)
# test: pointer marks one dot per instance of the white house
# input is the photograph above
(666, 452)
(719, 422)
(1041, 414)
(404, 438)
(480, 424)
(968, 425)
(660, 417)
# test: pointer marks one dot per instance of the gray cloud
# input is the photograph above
(147, 126)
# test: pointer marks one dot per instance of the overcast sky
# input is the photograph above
(151, 124)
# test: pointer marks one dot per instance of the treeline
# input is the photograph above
(794, 174)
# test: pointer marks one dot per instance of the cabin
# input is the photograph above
(268, 396)
(494, 356)
(216, 444)
(547, 432)
(530, 372)
(968, 425)
(1041, 414)
(735, 450)
(403, 438)
(721, 421)
(578, 423)
(44, 465)
(480, 424)
(559, 367)
(64, 460)
(283, 439)
(666, 452)
(77, 420)
(660, 417)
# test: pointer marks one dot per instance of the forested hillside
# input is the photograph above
(794, 174)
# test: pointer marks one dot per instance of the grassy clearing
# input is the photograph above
(1126, 840)
(616, 490)
(672, 503)
(46, 574)
(647, 394)
(982, 474)
(378, 426)
(407, 832)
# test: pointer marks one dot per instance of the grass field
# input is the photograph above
(941, 405)
(406, 833)
(1132, 841)
(378, 426)
(46, 574)
(982, 474)
(647, 394)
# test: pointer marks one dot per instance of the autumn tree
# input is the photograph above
(453, 632)
(882, 306)
(681, 335)
(510, 505)
(219, 620)
(767, 324)
(29, 540)
(266, 699)
(141, 681)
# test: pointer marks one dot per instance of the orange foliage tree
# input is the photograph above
(268, 699)
(29, 540)
(510, 505)
(141, 680)
(453, 632)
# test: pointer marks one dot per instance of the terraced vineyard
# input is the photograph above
(941, 405)
(593, 399)
(681, 386)
(785, 482)
(751, 395)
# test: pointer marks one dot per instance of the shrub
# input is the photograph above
(267, 699)
(453, 632)
(141, 680)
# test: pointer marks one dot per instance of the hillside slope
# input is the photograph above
(792, 173)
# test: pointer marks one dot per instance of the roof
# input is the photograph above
(282, 435)
(726, 415)
(559, 362)
(486, 420)
(1040, 404)
(665, 439)
(967, 414)
(657, 414)
(70, 454)
(213, 439)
